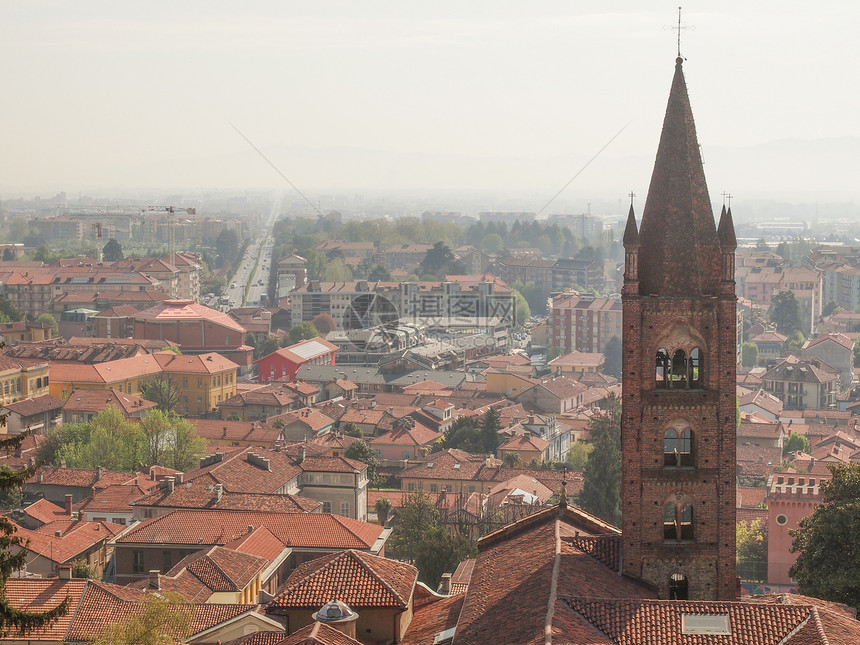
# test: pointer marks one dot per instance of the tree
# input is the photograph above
(302, 331)
(383, 510)
(491, 423)
(796, 341)
(157, 430)
(601, 490)
(417, 516)
(749, 354)
(269, 345)
(464, 434)
(511, 459)
(379, 274)
(80, 569)
(751, 550)
(440, 552)
(186, 446)
(162, 390)
(10, 498)
(112, 251)
(114, 442)
(13, 619)
(227, 246)
(492, 243)
(8, 255)
(49, 319)
(577, 456)
(361, 451)
(612, 357)
(337, 271)
(324, 323)
(352, 430)
(316, 263)
(440, 260)
(795, 442)
(785, 313)
(521, 307)
(828, 566)
(163, 619)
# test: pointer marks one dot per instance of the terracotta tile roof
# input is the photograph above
(646, 622)
(216, 569)
(419, 435)
(317, 633)
(112, 499)
(359, 579)
(321, 464)
(221, 527)
(104, 603)
(81, 477)
(760, 430)
(526, 442)
(211, 363)
(260, 542)
(240, 471)
(171, 310)
(75, 538)
(85, 400)
(36, 405)
(315, 419)
(432, 618)
(247, 431)
(462, 575)
(200, 493)
(107, 372)
(563, 387)
(840, 339)
(259, 638)
(44, 511)
(42, 594)
(750, 496)
(334, 440)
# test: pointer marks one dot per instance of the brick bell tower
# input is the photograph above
(680, 342)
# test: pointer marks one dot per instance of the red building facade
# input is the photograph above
(284, 364)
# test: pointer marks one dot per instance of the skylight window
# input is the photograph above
(713, 624)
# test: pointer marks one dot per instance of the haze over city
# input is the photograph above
(503, 97)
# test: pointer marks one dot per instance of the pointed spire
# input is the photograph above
(726, 230)
(680, 253)
(631, 233)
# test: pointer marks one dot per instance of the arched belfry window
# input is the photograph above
(680, 358)
(678, 448)
(677, 522)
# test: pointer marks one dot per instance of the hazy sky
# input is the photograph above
(120, 94)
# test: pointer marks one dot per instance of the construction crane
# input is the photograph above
(171, 211)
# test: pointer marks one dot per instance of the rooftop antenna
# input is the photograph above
(679, 27)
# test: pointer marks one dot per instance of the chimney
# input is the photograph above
(99, 473)
(155, 579)
(179, 477)
(170, 483)
(302, 454)
(69, 504)
(62, 463)
(64, 572)
(250, 528)
(445, 584)
(41, 476)
(224, 432)
(219, 492)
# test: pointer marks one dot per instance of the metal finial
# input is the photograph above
(678, 28)
(632, 195)
(727, 199)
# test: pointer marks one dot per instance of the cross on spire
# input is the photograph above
(678, 28)
(727, 197)
(632, 195)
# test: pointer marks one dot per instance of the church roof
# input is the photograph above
(680, 252)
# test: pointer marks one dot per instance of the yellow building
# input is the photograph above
(22, 378)
(123, 375)
(507, 383)
(203, 381)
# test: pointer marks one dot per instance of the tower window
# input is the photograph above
(678, 448)
(677, 522)
(678, 587)
(697, 369)
(662, 364)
